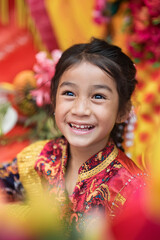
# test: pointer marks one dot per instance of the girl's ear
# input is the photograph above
(123, 115)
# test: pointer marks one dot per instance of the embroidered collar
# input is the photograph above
(93, 165)
(103, 161)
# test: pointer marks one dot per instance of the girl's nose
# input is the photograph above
(81, 107)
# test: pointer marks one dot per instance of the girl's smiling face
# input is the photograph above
(86, 106)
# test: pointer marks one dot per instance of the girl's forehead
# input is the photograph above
(86, 66)
(86, 73)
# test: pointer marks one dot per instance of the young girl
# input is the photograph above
(91, 99)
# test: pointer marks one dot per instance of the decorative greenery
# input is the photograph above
(41, 122)
(42, 126)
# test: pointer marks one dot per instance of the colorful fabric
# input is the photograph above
(11, 189)
(105, 181)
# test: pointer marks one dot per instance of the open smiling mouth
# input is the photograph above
(83, 127)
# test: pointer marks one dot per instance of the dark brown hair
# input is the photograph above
(110, 59)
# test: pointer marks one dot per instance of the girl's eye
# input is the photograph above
(68, 93)
(98, 96)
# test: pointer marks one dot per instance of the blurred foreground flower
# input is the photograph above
(34, 219)
(44, 71)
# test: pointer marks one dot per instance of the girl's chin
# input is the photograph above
(79, 143)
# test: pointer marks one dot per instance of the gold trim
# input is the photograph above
(30, 179)
(28, 175)
(120, 198)
(100, 167)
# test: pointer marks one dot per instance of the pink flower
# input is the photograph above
(56, 54)
(44, 71)
(98, 10)
(155, 35)
(141, 20)
(134, 6)
(99, 18)
(100, 4)
(144, 35)
(153, 7)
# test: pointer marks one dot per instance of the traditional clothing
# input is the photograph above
(105, 181)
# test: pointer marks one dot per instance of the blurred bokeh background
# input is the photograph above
(33, 33)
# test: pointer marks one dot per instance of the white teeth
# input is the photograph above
(81, 126)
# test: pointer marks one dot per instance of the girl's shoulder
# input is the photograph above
(127, 180)
(129, 175)
(41, 148)
(29, 158)
(51, 156)
(54, 147)
(44, 150)
(128, 163)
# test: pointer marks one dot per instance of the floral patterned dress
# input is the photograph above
(105, 181)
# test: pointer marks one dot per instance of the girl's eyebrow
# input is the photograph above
(102, 87)
(67, 84)
(97, 86)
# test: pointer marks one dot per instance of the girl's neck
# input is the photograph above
(78, 156)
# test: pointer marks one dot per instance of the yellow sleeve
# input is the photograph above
(30, 181)
(28, 176)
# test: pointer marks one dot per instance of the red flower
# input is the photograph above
(98, 15)
(153, 7)
(144, 35)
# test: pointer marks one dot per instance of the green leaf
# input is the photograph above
(137, 60)
(156, 21)
(156, 64)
